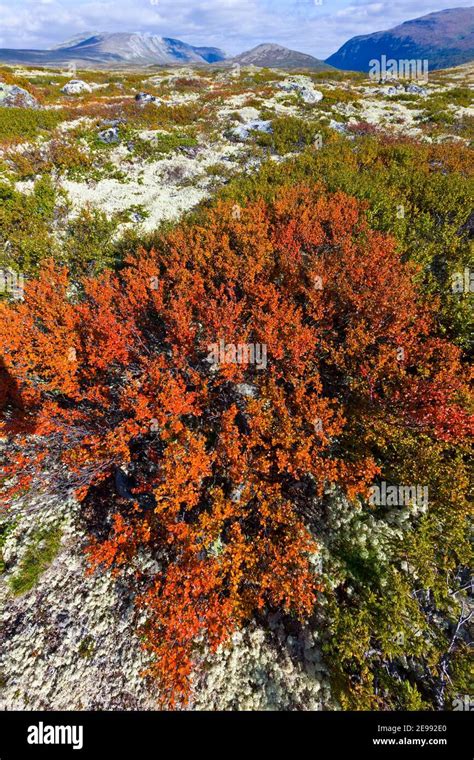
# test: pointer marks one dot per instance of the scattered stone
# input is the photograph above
(76, 87)
(242, 132)
(338, 126)
(303, 87)
(109, 136)
(112, 122)
(190, 151)
(415, 89)
(12, 96)
(245, 389)
(145, 97)
(236, 493)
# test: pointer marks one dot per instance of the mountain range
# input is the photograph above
(445, 39)
(121, 48)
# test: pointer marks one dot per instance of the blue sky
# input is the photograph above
(234, 25)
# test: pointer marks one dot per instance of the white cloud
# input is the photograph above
(234, 25)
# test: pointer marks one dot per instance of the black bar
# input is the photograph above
(160, 734)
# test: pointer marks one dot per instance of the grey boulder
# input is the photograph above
(242, 132)
(76, 87)
(308, 93)
(12, 96)
(415, 89)
(145, 97)
(109, 136)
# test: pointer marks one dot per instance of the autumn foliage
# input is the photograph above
(109, 378)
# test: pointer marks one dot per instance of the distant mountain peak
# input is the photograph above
(268, 47)
(122, 48)
(444, 38)
(272, 55)
(76, 40)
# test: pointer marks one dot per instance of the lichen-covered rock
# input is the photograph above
(109, 136)
(76, 87)
(415, 89)
(338, 126)
(247, 390)
(145, 97)
(303, 86)
(242, 131)
(12, 96)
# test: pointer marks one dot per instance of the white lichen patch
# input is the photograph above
(165, 188)
(385, 113)
(264, 670)
(69, 642)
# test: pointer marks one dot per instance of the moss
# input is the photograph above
(363, 569)
(437, 108)
(41, 551)
(264, 76)
(338, 76)
(86, 647)
(456, 96)
(151, 116)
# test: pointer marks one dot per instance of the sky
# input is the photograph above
(317, 27)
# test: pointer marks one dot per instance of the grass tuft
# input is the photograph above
(38, 557)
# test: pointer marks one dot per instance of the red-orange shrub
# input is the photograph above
(110, 379)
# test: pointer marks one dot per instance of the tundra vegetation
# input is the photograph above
(331, 231)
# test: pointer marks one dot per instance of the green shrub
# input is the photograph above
(88, 242)
(21, 124)
(157, 146)
(289, 134)
(421, 194)
(26, 225)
